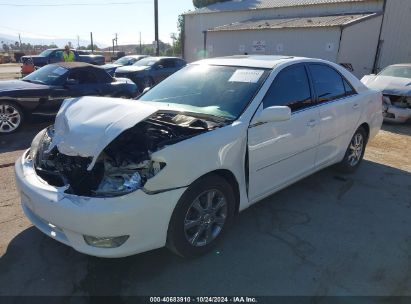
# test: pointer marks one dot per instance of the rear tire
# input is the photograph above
(355, 152)
(11, 117)
(201, 217)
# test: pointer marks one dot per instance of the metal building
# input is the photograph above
(365, 35)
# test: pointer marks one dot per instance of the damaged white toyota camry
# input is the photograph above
(114, 178)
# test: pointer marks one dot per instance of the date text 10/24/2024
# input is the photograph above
(203, 300)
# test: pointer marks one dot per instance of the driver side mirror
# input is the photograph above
(273, 114)
(160, 67)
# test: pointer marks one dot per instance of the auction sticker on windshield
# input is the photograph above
(246, 75)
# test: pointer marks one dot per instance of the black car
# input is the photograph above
(151, 70)
(43, 91)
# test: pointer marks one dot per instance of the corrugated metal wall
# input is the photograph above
(396, 34)
(307, 42)
(359, 45)
(196, 24)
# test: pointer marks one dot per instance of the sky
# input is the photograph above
(57, 19)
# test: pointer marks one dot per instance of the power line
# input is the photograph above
(74, 4)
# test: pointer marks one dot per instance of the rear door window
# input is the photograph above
(290, 88)
(168, 63)
(328, 83)
(83, 77)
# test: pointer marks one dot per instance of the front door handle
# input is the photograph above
(312, 123)
(356, 106)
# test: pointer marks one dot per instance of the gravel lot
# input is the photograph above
(10, 71)
(329, 234)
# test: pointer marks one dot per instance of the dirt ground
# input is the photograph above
(10, 71)
(392, 147)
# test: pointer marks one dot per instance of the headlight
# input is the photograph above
(119, 181)
(35, 144)
(41, 142)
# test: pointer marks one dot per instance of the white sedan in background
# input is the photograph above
(395, 83)
(114, 177)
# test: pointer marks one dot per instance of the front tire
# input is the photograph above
(201, 217)
(355, 152)
(11, 117)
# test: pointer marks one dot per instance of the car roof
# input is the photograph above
(75, 65)
(135, 56)
(254, 61)
(164, 57)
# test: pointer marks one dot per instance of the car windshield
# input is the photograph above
(221, 91)
(397, 71)
(46, 53)
(125, 61)
(146, 62)
(49, 75)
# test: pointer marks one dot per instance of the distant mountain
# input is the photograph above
(46, 41)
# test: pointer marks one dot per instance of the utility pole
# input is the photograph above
(20, 40)
(156, 27)
(92, 43)
(141, 48)
(78, 41)
(174, 38)
(113, 45)
(116, 41)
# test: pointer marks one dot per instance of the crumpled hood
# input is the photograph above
(131, 68)
(389, 85)
(86, 126)
(16, 85)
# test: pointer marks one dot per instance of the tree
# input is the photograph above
(203, 3)
(6, 48)
(178, 44)
(96, 48)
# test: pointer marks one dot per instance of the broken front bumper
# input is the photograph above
(395, 114)
(398, 115)
(68, 218)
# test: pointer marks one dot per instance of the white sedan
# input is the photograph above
(395, 83)
(114, 177)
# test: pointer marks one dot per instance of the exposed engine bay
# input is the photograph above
(125, 165)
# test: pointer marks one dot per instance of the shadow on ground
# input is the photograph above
(404, 129)
(22, 139)
(329, 234)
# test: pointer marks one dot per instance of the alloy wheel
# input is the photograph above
(205, 218)
(356, 149)
(10, 118)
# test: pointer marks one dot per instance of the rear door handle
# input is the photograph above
(356, 106)
(312, 123)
